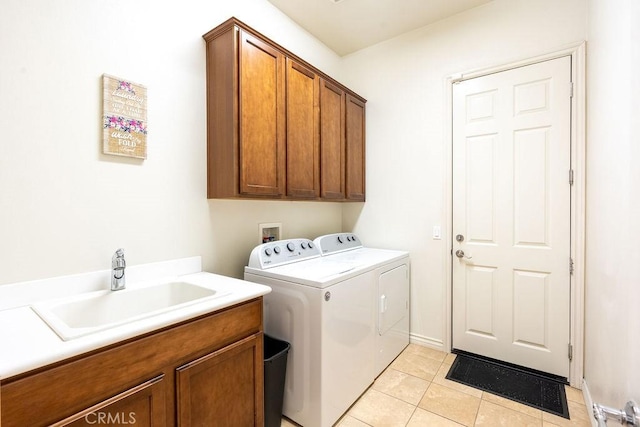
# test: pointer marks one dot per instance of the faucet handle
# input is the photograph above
(118, 264)
(117, 260)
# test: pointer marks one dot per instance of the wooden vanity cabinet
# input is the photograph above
(277, 127)
(204, 372)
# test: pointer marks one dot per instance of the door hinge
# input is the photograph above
(571, 266)
(570, 89)
(570, 176)
(570, 352)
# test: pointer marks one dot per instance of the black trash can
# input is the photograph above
(275, 369)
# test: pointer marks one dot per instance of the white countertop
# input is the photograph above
(27, 342)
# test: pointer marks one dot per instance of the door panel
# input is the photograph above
(531, 195)
(511, 202)
(481, 180)
(480, 286)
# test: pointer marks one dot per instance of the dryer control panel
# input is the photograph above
(338, 242)
(281, 252)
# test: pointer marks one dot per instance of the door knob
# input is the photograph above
(460, 254)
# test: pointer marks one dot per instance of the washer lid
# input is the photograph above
(317, 272)
(321, 270)
(368, 256)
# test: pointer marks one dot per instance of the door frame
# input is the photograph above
(577, 52)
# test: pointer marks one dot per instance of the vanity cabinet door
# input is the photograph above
(143, 405)
(223, 388)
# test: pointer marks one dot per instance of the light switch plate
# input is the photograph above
(437, 232)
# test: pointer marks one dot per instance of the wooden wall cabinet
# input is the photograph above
(332, 135)
(355, 148)
(204, 372)
(303, 136)
(277, 127)
(246, 116)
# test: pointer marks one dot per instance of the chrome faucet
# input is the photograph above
(118, 264)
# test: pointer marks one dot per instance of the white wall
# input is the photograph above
(613, 203)
(64, 206)
(404, 82)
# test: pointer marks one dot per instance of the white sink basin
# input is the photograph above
(95, 311)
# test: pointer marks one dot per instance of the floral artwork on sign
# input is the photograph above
(124, 118)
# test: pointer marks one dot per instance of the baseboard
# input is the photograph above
(588, 401)
(427, 342)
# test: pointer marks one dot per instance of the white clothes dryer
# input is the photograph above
(324, 307)
(391, 283)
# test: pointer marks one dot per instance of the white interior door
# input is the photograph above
(511, 205)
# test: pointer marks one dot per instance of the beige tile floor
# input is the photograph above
(413, 392)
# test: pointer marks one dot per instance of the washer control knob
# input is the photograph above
(310, 245)
(303, 245)
(340, 239)
(276, 250)
(291, 246)
(268, 252)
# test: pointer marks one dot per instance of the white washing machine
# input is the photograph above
(391, 270)
(325, 309)
(345, 314)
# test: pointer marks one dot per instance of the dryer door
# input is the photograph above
(393, 304)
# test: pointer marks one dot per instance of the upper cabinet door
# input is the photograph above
(332, 140)
(355, 149)
(262, 117)
(303, 131)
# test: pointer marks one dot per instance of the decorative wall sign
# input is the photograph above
(124, 116)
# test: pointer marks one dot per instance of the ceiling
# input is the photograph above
(350, 25)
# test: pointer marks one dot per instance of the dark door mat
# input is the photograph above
(532, 388)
